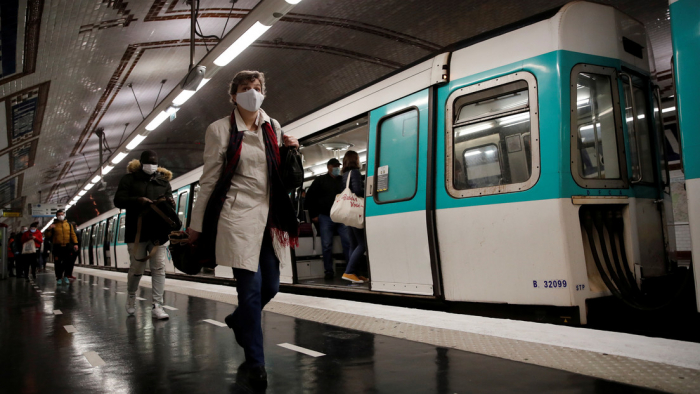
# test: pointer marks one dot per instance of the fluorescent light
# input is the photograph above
(107, 169)
(241, 43)
(293, 1)
(135, 142)
(669, 109)
(475, 128)
(186, 94)
(472, 153)
(160, 118)
(89, 186)
(514, 118)
(82, 193)
(590, 126)
(119, 157)
(96, 179)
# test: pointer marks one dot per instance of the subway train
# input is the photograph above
(524, 166)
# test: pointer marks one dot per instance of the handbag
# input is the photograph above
(185, 256)
(348, 209)
(158, 220)
(29, 247)
(292, 170)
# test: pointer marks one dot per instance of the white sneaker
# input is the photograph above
(131, 304)
(159, 313)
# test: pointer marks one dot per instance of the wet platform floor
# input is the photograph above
(187, 354)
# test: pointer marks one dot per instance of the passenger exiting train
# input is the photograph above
(351, 169)
(65, 243)
(244, 211)
(319, 200)
(31, 244)
(144, 183)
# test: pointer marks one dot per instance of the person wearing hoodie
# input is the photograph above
(144, 183)
(30, 255)
(64, 242)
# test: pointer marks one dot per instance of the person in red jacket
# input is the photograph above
(30, 256)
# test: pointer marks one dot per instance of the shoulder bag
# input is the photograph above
(348, 208)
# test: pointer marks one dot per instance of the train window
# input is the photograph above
(639, 135)
(110, 231)
(181, 208)
(596, 147)
(398, 149)
(491, 136)
(122, 229)
(483, 166)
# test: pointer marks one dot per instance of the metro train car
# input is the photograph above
(524, 166)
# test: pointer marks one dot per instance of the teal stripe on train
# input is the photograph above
(685, 34)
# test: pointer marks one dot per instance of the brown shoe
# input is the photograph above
(352, 278)
(362, 278)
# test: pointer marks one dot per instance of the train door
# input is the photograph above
(109, 238)
(647, 186)
(182, 209)
(395, 205)
(91, 251)
(85, 246)
(99, 244)
(120, 251)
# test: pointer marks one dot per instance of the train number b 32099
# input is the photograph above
(550, 284)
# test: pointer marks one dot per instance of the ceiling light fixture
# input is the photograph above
(96, 179)
(135, 142)
(186, 94)
(160, 118)
(293, 1)
(82, 193)
(89, 186)
(107, 169)
(336, 145)
(119, 157)
(243, 42)
(669, 109)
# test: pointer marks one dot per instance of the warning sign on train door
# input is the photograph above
(382, 178)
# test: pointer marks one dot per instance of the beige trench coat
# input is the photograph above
(244, 214)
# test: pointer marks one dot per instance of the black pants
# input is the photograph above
(71, 263)
(11, 266)
(61, 259)
(26, 261)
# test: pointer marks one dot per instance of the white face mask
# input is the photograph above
(149, 168)
(60, 217)
(250, 100)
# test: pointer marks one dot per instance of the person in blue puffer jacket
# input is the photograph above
(351, 168)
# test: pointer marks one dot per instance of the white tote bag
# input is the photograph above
(348, 208)
(29, 247)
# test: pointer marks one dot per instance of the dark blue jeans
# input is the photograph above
(360, 247)
(255, 290)
(328, 229)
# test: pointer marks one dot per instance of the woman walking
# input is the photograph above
(243, 212)
(31, 245)
(351, 169)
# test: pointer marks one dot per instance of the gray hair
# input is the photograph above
(245, 77)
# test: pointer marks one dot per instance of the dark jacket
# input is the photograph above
(135, 184)
(357, 182)
(321, 195)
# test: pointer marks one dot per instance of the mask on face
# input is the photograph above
(336, 171)
(250, 100)
(60, 217)
(32, 230)
(149, 168)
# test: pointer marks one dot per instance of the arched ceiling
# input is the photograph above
(73, 66)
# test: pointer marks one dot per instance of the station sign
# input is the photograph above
(11, 213)
(46, 210)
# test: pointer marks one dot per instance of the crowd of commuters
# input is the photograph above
(29, 250)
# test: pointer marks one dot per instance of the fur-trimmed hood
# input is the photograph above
(163, 173)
